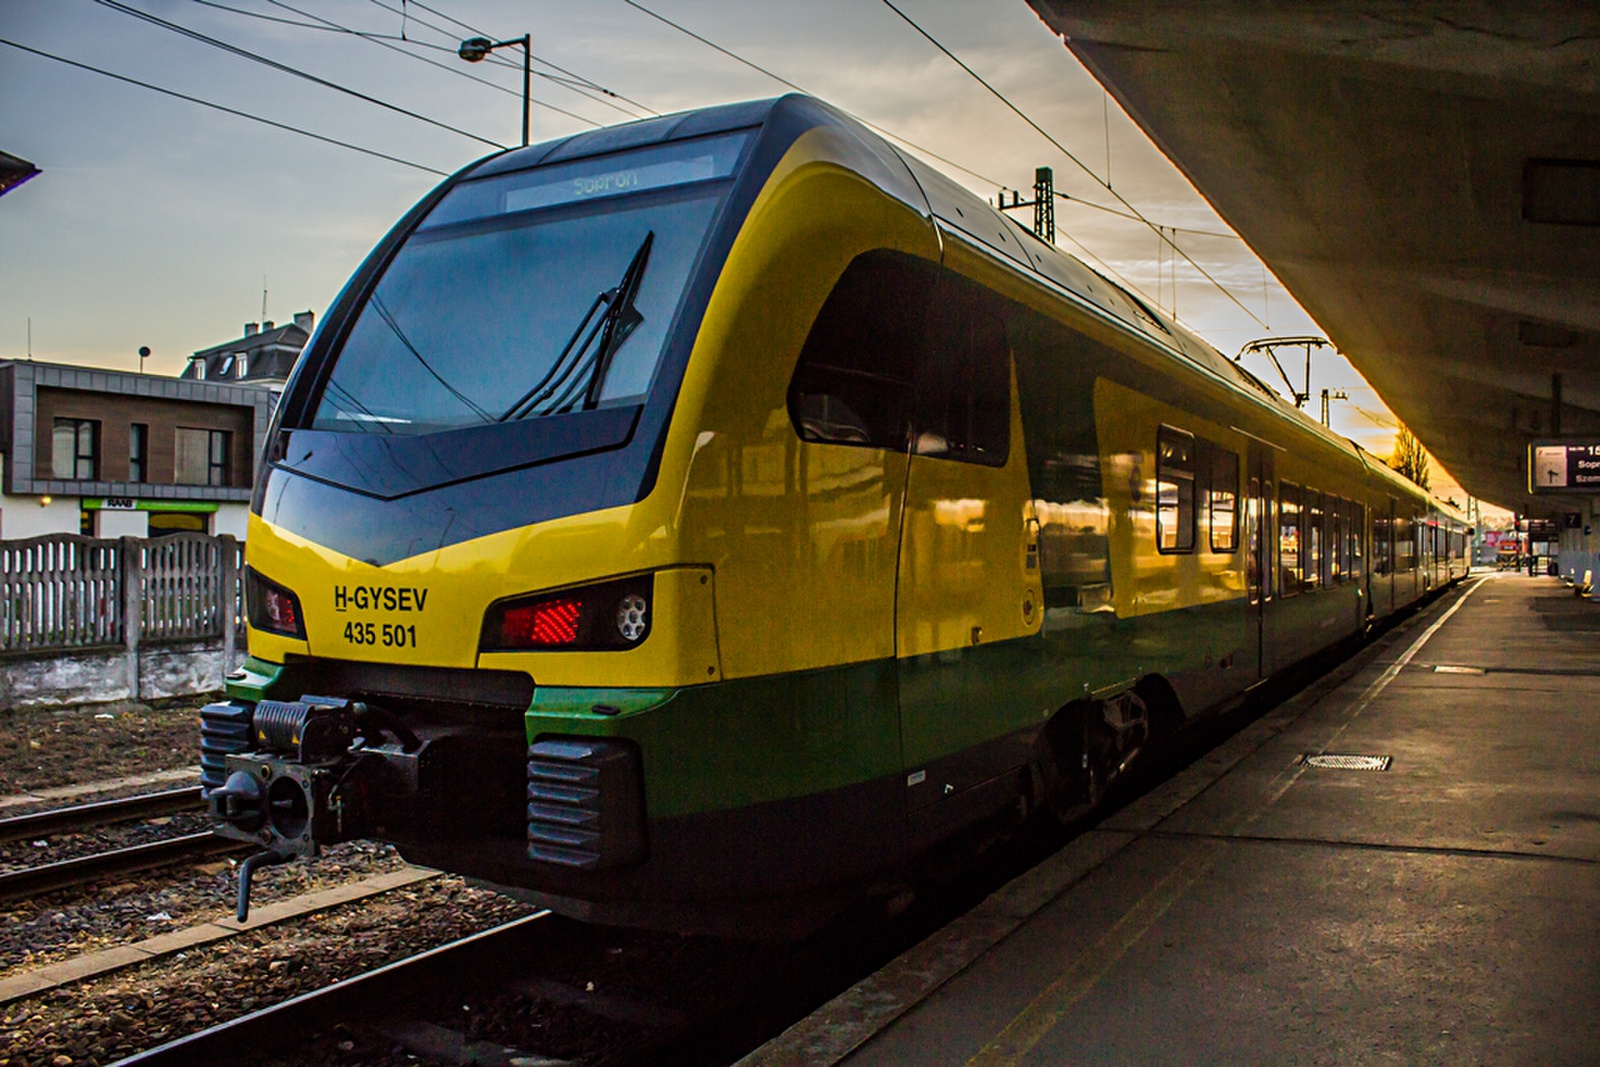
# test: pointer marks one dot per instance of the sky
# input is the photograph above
(160, 222)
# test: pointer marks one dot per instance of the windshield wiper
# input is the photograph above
(578, 373)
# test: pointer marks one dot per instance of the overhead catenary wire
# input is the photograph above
(998, 95)
(577, 85)
(780, 79)
(386, 41)
(224, 108)
(256, 57)
(1136, 218)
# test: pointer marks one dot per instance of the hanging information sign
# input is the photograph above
(1564, 466)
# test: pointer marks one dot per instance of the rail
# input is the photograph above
(100, 813)
(67, 874)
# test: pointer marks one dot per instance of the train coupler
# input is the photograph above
(318, 770)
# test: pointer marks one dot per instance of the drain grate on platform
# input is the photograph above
(1331, 762)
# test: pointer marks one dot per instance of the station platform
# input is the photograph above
(1257, 909)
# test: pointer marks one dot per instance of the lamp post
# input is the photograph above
(475, 49)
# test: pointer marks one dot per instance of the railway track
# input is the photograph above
(66, 873)
(405, 981)
(508, 996)
(102, 813)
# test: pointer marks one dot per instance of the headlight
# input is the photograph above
(609, 616)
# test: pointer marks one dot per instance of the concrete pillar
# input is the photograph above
(225, 596)
(132, 578)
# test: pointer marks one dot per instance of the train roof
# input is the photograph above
(952, 205)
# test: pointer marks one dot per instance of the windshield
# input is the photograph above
(568, 274)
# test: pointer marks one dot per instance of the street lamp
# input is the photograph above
(475, 49)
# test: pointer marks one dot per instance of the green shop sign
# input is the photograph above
(128, 503)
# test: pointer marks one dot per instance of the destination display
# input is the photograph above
(1563, 466)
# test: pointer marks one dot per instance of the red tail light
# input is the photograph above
(554, 622)
(607, 616)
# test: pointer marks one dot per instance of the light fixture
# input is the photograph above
(477, 49)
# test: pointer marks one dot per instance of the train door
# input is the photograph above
(968, 580)
(1258, 561)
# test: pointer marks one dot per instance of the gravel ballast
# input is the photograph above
(103, 1019)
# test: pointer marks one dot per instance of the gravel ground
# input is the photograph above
(104, 1019)
(54, 848)
(107, 1018)
(61, 925)
(41, 749)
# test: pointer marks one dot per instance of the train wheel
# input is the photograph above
(1077, 758)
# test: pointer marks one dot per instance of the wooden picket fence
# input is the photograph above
(64, 592)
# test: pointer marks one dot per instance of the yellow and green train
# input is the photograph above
(722, 509)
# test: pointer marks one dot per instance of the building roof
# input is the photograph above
(269, 353)
(14, 171)
(289, 335)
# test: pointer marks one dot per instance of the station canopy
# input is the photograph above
(1424, 178)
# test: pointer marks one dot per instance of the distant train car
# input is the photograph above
(719, 510)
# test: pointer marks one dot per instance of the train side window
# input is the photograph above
(963, 377)
(1311, 572)
(1175, 453)
(1347, 511)
(1252, 533)
(1357, 531)
(1224, 500)
(1330, 543)
(1383, 540)
(1289, 538)
(853, 382)
(1335, 539)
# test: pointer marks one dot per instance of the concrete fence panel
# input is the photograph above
(90, 620)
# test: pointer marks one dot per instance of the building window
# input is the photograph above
(138, 452)
(1174, 490)
(163, 523)
(199, 370)
(201, 457)
(75, 449)
(217, 458)
(243, 364)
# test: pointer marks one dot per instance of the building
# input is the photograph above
(263, 356)
(113, 453)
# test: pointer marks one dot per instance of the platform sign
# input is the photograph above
(1564, 466)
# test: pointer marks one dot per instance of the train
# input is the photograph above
(684, 522)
